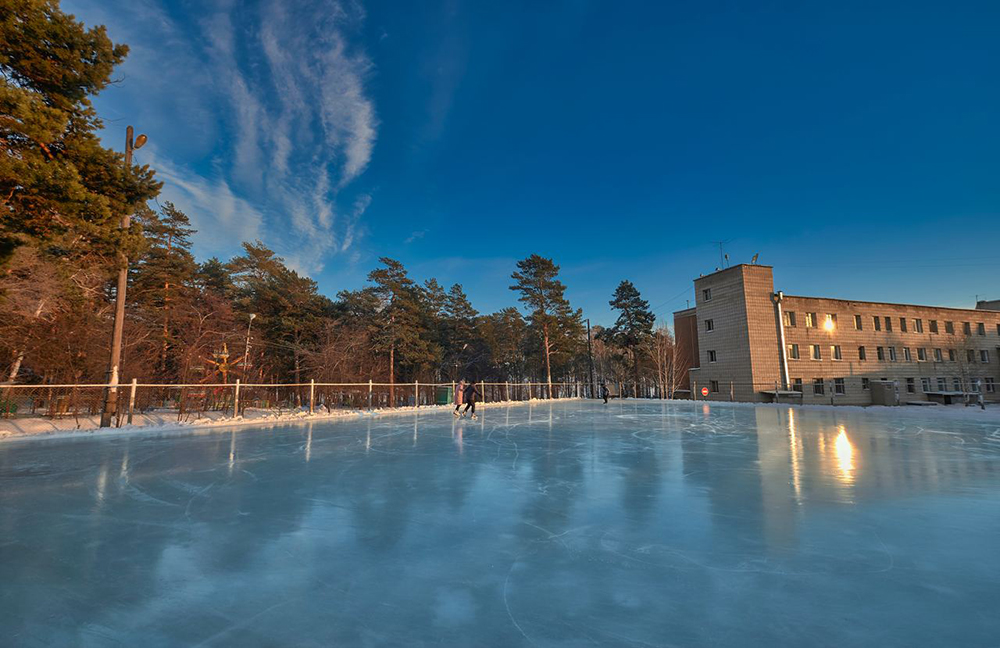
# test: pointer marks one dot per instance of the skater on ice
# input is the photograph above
(469, 396)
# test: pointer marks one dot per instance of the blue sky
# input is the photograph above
(853, 145)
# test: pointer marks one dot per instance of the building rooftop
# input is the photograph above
(979, 311)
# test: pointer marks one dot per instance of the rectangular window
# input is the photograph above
(949, 327)
(793, 351)
(981, 328)
(866, 384)
(818, 386)
(902, 324)
(858, 326)
(911, 386)
(814, 352)
(714, 386)
(942, 384)
(877, 323)
(933, 324)
(906, 354)
(951, 355)
(838, 386)
(925, 384)
(880, 353)
(918, 325)
(970, 356)
(998, 329)
(956, 384)
(967, 328)
(861, 353)
(892, 354)
(797, 385)
(709, 325)
(888, 323)
(991, 385)
(835, 352)
(984, 355)
(810, 320)
(830, 321)
(712, 356)
(921, 354)
(789, 317)
(706, 294)
(937, 356)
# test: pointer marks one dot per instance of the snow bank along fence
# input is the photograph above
(194, 400)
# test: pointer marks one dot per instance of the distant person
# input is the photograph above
(469, 396)
(605, 393)
(979, 395)
(458, 395)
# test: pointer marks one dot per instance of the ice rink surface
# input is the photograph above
(639, 523)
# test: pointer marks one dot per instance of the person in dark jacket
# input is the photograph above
(605, 392)
(470, 395)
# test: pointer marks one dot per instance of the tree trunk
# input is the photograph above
(548, 362)
(392, 374)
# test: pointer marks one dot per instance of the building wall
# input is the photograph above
(852, 369)
(685, 346)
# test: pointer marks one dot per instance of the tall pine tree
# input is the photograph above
(634, 325)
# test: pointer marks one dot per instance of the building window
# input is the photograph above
(810, 320)
(918, 325)
(892, 354)
(793, 351)
(998, 329)
(933, 324)
(877, 323)
(830, 322)
(714, 386)
(818, 386)
(835, 352)
(984, 356)
(925, 384)
(991, 385)
(975, 386)
(951, 355)
(858, 326)
(880, 353)
(709, 325)
(711, 356)
(789, 317)
(888, 323)
(861, 354)
(967, 328)
(866, 384)
(956, 384)
(981, 328)
(797, 385)
(706, 294)
(970, 356)
(921, 354)
(814, 352)
(949, 327)
(906, 354)
(942, 384)
(911, 386)
(838, 386)
(937, 356)
(902, 324)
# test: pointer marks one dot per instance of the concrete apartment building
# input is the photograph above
(743, 341)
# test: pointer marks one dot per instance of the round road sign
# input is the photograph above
(704, 391)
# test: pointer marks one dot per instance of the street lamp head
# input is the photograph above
(139, 142)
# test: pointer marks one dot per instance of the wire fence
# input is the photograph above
(193, 401)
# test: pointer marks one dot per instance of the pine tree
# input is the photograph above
(550, 314)
(55, 177)
(634, 325)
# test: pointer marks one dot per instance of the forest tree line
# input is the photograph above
(249, 317)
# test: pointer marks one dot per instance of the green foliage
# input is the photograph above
(56, 180)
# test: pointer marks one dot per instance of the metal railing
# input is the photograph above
(188, 402)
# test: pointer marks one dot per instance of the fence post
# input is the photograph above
(369, 393)
(731, 391)
(694, 392)
(506, 386)
(482, 385)
(312, 395)
(236, 399)
(416, 393)
(131, 401)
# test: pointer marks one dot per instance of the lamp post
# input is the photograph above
(111, 391)
(246, 351)
(590, 354)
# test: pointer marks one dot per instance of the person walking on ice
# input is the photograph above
(469, 396)
(458, 395)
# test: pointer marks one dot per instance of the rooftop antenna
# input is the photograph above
(753, 261)
(721, 256)
(727, 260)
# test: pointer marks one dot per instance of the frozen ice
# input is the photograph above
(638, 523)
